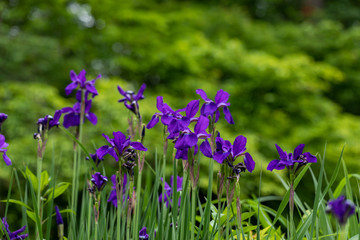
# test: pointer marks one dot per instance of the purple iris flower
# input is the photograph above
(131, 99)
(143, 234)
(290, 159)
(3, 146)
(225, 150)
(169, 190)
(3, 117)
(72, 114)
(210, 107)
(120, 146)
(49, 121)
(95, 158)
(59, 219)
(14, 235)
(341, 208)
(113, 195)
(80, 80)
(99, 180)
(167, 114)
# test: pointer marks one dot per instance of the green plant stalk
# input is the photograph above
(209, 193)
(343, 232)
(238, 205)
(193, 208)
(73, 190)
(291, 204)
(175, 197)
(77, 156)
(96, 229)
(130, 203)
(185, 189)
(119, 206)
(38, 173)
(137, 206)
(89, 217)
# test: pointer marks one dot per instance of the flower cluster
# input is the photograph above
(167, 196)
(289, 159)
(14, 235)
(3, 144)
(131, 99)
(72, 114)
(99, 181)
(122, 186)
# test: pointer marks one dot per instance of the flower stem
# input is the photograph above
(291, 205)
(89, 217)
(193, 207)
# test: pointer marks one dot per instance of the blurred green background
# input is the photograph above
(290, 66)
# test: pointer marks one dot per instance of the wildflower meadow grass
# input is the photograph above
(127, 204)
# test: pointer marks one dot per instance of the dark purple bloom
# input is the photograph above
(3, 117)
(143, 234)
(59, 219)
(169, 190)
(49, 121)
(167, 114)
(120, 146)
(95, 158)
(113, 195)
(290, 159)
(80, 80)
(14, 235)
(227, 151)
(131, 99)
(72, 115)
(341, 208)
(3, 146)
(99, 180)
(210, 107)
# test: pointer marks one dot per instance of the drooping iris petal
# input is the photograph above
(228, 116)
(249, 162)
(186, 140)
(273, 165)
(138, 146)
(205, 148)
(154, 120)
(220, 156)
(92, 118)
(6, 159)
(310, 158)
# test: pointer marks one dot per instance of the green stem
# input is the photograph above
(96, 229)
(238, 205)
(291, 205)
(137, 207)
(38, 173)
(89, 217)
(193, 207)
